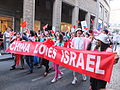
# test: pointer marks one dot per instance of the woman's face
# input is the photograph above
(73, 35)
(46, 33)
(79, 33)
(17, 35)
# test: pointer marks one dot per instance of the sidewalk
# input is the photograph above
(5, 56)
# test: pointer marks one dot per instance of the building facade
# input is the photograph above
(62, 14)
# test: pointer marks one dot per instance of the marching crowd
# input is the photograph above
(79, 40)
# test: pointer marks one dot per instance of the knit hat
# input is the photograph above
(104, 38)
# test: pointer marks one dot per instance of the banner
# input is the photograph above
(94, 64)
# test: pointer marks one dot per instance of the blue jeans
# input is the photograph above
(29, 60)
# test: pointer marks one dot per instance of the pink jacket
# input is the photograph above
(84, 41)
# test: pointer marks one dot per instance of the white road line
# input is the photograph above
(33, 80)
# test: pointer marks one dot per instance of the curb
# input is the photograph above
(5, 57)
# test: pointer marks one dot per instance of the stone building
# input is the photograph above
(61, 14)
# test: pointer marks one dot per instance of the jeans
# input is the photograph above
(29, 60)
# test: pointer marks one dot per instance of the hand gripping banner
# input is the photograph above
(94, 64)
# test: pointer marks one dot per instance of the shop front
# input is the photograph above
(6, 21)
(66, 27)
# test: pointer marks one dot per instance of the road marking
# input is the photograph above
(33, 80)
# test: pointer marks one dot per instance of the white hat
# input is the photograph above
(104, 38)
(78, 29)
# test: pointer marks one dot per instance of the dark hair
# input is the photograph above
(106, 31)
(77, 31)
(104, 46)
(87, 34)
(90, 31)
(63, 33)
(32, 33)
(61, 37)
(35, 34)
(24, 34)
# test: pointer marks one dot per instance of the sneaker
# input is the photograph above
(62, 73)
(12, 68)
(45, 74)
(84, 77)
(59, 76)
(74, 81)
(22, 68)
(54, 80)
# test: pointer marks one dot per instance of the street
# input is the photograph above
(21, 80)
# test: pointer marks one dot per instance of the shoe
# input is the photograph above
(74, 81)
(40, 66)
(45, 74)
(59, 76)
(62, 73)
(90, 88)
(31, 71)
(84, 77)
(54, 80)
(12, 68)
(21, 68)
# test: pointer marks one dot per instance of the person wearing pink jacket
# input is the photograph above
(79, 42)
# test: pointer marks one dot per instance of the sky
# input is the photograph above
(115, 11)
(115, 4)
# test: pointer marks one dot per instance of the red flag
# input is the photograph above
(44, 27)
(52, 31)
(23, 24)
(49, 42)
(74, 26)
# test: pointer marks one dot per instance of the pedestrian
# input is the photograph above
(58, 73)
(79, 42)
(17, 58)
(1, 42)
(102, 45)
(45, 62)
(29, 58)
(116, 38)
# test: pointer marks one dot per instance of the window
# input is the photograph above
(106, 14)
(100, 9)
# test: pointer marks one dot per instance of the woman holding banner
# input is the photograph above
(17, 37)
(58, 73)
(79, 42)
(103, 44)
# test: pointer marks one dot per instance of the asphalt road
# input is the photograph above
(21, 80)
